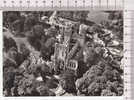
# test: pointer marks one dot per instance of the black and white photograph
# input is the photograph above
(63, 53)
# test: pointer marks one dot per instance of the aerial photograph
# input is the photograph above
(63, 53)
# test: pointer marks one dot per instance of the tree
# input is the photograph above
(34, 37)
(47, 49)
(8, 79)
(44, 91)
(7, 62)
(107, 92)
(25, 85)
(85, 84)
(11, 17)
(8, 43)
(68, 81)
(23, 50)
(30, 21)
